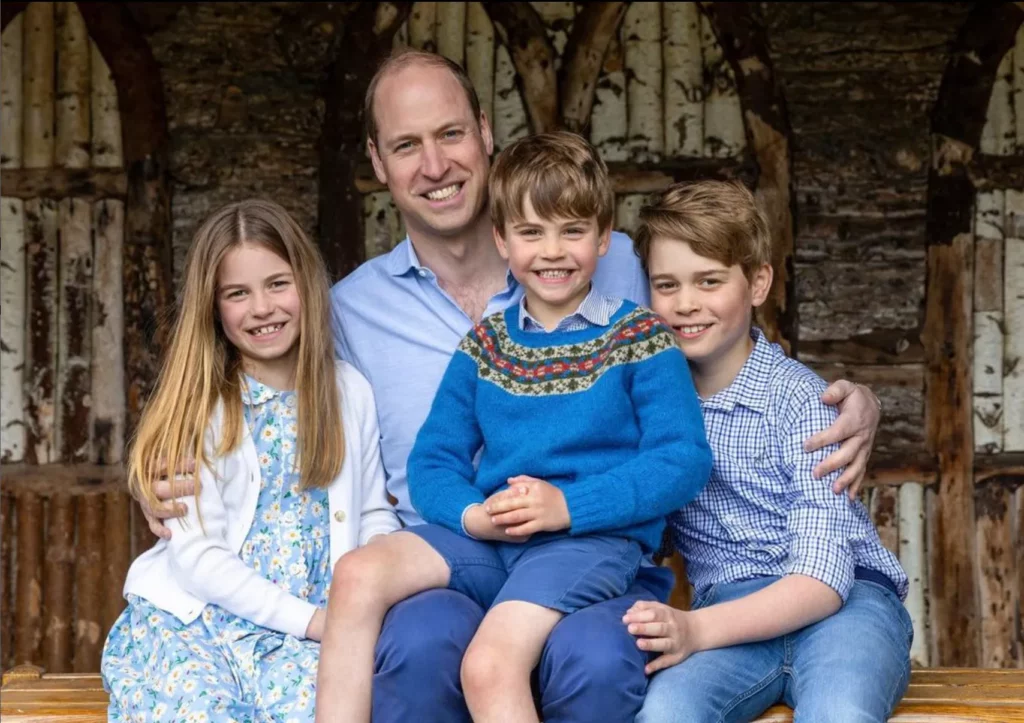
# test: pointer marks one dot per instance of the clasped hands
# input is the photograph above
(527, 506)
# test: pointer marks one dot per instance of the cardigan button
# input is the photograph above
(339, 516)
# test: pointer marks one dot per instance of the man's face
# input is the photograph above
(430, 150)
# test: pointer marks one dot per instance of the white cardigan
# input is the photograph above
(193, 568)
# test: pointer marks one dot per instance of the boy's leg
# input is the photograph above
(496, 669)
(366, 582)
(420, 649)
(854, 665)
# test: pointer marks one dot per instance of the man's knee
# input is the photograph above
(599, 644)
(428, 632)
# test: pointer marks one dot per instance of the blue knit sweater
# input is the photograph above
(609, 415)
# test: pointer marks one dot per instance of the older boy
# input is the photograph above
(796, 598)
(585, 419)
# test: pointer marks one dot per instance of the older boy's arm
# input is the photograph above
(859, 414)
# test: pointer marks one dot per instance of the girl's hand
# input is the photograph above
(661, 629)
(315, 629)
(530, 505)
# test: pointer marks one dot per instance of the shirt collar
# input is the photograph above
(402, 259)
(592, 309)
(750, 387)
(255, 392)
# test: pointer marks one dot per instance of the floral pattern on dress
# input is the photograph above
(221, 668)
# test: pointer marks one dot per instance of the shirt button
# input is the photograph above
(339, 516)
(423, 272)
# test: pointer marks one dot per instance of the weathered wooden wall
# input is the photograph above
(834, 128)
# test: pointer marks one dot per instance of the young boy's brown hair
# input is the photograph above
(560, 172)
(719, 220)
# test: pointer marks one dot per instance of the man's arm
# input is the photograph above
(859, 414)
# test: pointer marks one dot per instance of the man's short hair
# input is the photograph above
(562, 174)
(403, 58)
(720, 220)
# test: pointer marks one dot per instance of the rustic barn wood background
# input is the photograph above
(886, 141)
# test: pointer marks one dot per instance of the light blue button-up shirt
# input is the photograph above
(397, 326)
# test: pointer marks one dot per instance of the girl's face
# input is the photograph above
(259, 307)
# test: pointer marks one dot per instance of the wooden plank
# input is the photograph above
(873, 375)
(41, 231)
(107, 343)
(423, 26)
(627, 212)
(74, 77)
(117, 552)
(7, 553)
(51, 478)
(381, 223)
(884, 346)
(988, 381)
(641, 41)
(37, 86)
(89, 587)
(996, 576)
(12, 329)
(480, 56)
(11, 106)
(998, 136)
(947, 340)
(996, 173)
(28, 586)
(107, 151)
(451, 30)
(74, 331)
(684, 80)
(84, 183)
(1013, 350)
(912, 558)
(609, 127)
(57, 582)
(885, 515)
(510, 122)
(724, 133)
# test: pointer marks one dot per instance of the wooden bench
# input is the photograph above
(936, 694)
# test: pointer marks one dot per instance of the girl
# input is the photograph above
(223, 618)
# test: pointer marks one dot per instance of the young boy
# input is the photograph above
(582, 415)
(796, 598)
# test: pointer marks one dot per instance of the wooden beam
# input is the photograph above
(90, 184)
(873, 375)
(884, 346)
(532, 54)
(988, 172)
(741, 32)
(340, 207)
(1004, 468)
(592, 33)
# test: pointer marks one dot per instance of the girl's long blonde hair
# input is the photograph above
(202, 367)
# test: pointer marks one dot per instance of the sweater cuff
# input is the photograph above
(592, 509)
(465, 531)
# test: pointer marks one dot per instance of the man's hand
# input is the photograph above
(315, 629)
(661, 629)
(528, 506)
(165, 492)
(859, 414)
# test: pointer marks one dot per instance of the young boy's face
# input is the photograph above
(708, 304)
(554, 259)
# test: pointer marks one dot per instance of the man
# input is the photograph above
(398, 319)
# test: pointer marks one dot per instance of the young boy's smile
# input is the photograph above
(553, 258)
(709, 305)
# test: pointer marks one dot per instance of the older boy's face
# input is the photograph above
(430, 150)
(554, 258)
(708, 304)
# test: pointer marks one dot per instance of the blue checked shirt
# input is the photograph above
(763, 513)
(595, 310)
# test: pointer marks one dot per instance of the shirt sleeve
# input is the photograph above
(441, 471)
(822, 523)
(204, 564)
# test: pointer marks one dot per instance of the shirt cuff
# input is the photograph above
(463, 521)
(827, 561)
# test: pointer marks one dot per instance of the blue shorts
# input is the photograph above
(554, 571)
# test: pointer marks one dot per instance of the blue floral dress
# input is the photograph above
(222, 667)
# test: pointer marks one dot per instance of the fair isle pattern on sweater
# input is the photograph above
(539, 371)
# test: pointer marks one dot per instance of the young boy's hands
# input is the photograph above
(528, 506)
(661, 629)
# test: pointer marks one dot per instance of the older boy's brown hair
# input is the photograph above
(561, 173)
(719, 220)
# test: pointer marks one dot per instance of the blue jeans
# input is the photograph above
(851, 666)
(590, 670)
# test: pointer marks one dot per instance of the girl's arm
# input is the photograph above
(789, 604)
(204, 564)
(377, 516)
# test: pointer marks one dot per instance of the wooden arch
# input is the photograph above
(956, 169)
